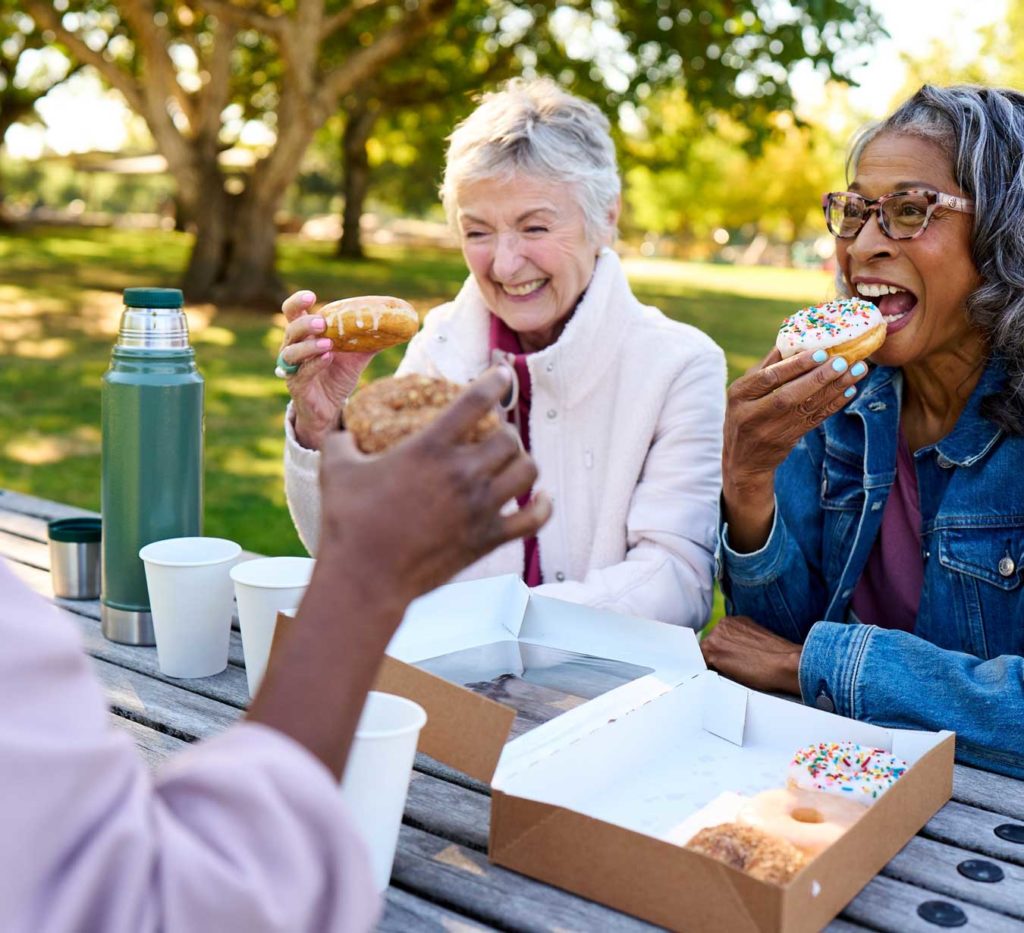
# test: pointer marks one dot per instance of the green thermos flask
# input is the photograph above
(152, 469)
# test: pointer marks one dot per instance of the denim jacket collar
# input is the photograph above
(972, 436)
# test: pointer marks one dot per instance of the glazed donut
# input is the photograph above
(850, 327)
(385, 411)
(369, 323)
(808, 819)
(750, 850)
(845, 769)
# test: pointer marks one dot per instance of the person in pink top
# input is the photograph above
(246, 831)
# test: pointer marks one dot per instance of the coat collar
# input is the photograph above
(580, 357)
(973, 435)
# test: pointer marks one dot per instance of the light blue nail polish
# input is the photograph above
(858, 369)
(850, 392)
(839, 364)
(819, 356)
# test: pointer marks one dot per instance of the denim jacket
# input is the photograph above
(962, 669)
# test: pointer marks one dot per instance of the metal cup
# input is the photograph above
(75, 557)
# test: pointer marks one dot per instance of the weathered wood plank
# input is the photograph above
(890, 905)
(933, 866)
(448, 810)
(970, 828)
(44, 509)
(404, 912)
(989, 791)
(228, 686)
(155, 746)
(845, 926)
(24, 550)
(164, 706)
(463, 879)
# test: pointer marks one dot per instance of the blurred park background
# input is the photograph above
(241, 149)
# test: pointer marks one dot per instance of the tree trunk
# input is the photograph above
(250, 275)
(233, 256)
(356, 170)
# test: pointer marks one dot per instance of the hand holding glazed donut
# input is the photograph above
(331, 349)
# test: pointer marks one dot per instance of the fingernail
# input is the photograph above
(318, 324)
(858, 369)
(850, 392)
(324, 344)
(839, 364)
(819, 356)
(306, 297)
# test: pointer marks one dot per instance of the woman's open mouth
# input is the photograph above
(524, 290)
(896, 304)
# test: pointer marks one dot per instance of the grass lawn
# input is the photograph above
(60, 304)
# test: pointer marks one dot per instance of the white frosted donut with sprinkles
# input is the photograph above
(846, 769)
(849, 327)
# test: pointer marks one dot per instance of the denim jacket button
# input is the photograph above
(1007, 567)
(944, 462)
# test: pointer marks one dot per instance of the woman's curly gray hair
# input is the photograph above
(537, 128)
(981, 130)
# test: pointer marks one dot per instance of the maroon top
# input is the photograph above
(507, 340)
(889, 590)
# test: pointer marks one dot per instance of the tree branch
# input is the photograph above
(43, 13)
(341, 19)
(364, 64)
(245, 16)
(154, 42)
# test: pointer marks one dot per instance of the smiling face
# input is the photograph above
(921, 286)
(526, 243)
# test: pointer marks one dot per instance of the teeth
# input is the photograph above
(525, 288)
(889, 318)
(874, 290)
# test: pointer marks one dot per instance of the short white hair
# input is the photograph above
(536, 128)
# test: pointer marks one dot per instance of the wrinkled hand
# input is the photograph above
(325, 379)
(745, 652)
(776, 403)
(767, 412)
(418, 514)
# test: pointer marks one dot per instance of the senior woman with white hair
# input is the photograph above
(620, 406)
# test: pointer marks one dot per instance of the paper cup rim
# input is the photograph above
(230, 553)
(411, 705)
(241, 571)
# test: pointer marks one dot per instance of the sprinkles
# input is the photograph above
(846, 769)
(827, 325)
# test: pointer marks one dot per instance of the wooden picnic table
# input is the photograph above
(442, 879)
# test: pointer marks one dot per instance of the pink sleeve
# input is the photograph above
(243, 832)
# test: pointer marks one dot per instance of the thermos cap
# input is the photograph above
(153, 319)
(153, 298)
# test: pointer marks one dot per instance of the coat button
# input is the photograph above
(944, 462)
(1007, 567)
(560, 577)
(550, 368)
(552, 414)
(441, 338)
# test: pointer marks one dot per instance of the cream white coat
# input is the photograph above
(626, 429)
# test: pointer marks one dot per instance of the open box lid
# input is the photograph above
(469, 731)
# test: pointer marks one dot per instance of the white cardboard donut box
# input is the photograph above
(600, 799)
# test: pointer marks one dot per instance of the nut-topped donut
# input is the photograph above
(388, 410)
(845, 769)
(750, 850)
(848, 327)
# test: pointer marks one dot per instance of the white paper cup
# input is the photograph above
(377, 775)
(190, 598)
(263, 588)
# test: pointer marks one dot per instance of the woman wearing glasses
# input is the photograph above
(874, 559)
